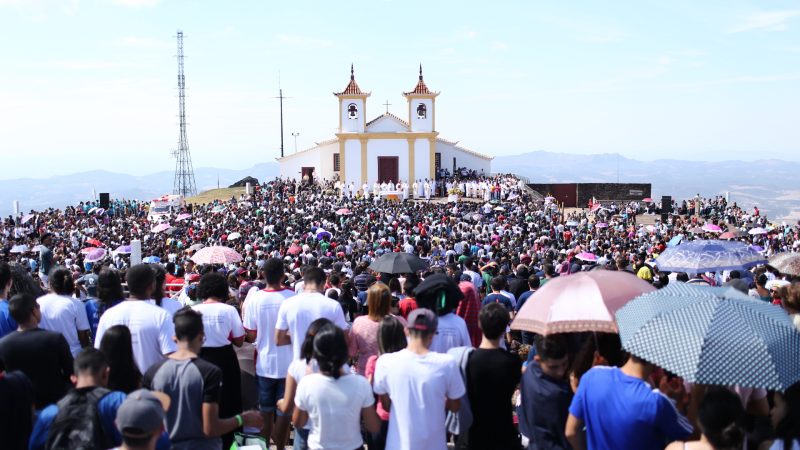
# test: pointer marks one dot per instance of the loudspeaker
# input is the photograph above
(666, 204)
(104, 201)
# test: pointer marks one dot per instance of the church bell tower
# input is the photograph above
(421, 106)
(352, 107)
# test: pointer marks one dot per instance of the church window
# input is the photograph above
(352, 111)
(422, 111)
(336, 163)
(437, 161)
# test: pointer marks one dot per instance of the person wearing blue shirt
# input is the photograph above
(7, 323)
(620, 410)
(91, 371)
(498, 284)
(545, 395)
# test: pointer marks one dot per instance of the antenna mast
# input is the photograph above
(184, 172)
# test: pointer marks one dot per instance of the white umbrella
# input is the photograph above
(216, 255)
(19, 248)
(235, 235)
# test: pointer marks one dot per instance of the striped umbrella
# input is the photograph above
(709, 256)
(715, 336)
(216, 254)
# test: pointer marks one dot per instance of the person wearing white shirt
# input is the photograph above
(451, 332)
(260, 312)
(222, 327)
(151, 327)
(296, 313)
(404, 378)
(62, 313)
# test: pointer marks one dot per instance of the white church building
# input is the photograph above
(386, 148)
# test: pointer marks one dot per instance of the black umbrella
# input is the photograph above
(399, 262)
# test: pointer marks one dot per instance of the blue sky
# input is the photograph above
(91, 84)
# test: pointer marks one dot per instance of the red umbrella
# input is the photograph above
(727, 235)
(94, 242)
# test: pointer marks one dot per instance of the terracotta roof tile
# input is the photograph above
(352, 87)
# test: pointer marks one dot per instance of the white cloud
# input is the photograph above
(303, 42)
(499, 46)
(665, 60)
(135, 3)
(766, 21)
(143, 42)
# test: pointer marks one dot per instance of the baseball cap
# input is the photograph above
(423, 319)
(142, 413)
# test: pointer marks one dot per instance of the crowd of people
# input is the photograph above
(302, 342)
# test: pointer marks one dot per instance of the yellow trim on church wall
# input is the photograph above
(364, 160)
(432, 154)
(398, 135)
(342, 161)
(411, 149)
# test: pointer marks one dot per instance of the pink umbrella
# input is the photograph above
(294, 249)
(585, 301)
(711, 228)
(344, 212)
(647, 200)
(601, 225)
(183, 216)
(586, 256)
(161, 227)
(727, 235)
(216, 254)
(88, 250)
(26, 218)
(596, 207)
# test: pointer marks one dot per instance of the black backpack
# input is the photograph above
(78, 426)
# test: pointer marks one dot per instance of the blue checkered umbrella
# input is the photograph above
(708, 256)
(715, 336)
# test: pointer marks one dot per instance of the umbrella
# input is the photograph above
(99, 211)
(343, 212)
(26, 218)
(294, 249)
(647, 200)
(95, 255)
(788, 263)
(123, 250)
(571, 223)
(711, 228)
(183, 216)
(757, 230)
(321, 234)
(586, 256)
(696, 230)
(19, 248)
(476, 217)
(88, 250)
(151, 260)
(757, 248)
(195, 247)
(91, 210)
(161, 227)
(216, 254)
(715, 336)
(709, 256)
(218, 209)
(95, 242)
(728, 235)
(585, 301)
(776, 284)
(499, 208)
(235, 235)
(601, 225)
(399, 262)
(675, 240)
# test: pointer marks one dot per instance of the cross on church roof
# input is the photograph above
(387, 105)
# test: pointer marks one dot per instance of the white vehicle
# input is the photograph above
(165, 205)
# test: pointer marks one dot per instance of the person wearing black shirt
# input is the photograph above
(42, 355)
(492, 376)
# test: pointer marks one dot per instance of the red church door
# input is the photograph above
(388, 169)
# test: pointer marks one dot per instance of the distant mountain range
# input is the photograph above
(771, 184)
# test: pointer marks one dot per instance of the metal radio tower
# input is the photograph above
(184, 173)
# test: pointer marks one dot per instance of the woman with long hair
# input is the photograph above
(123, 373)
(364, 333)
(160, 297)
(786, 419)
(721, 416)
(391, 338)
(297, 370)
(109, 293)
(222, 326)
(334, 400)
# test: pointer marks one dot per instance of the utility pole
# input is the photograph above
(184, 172)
